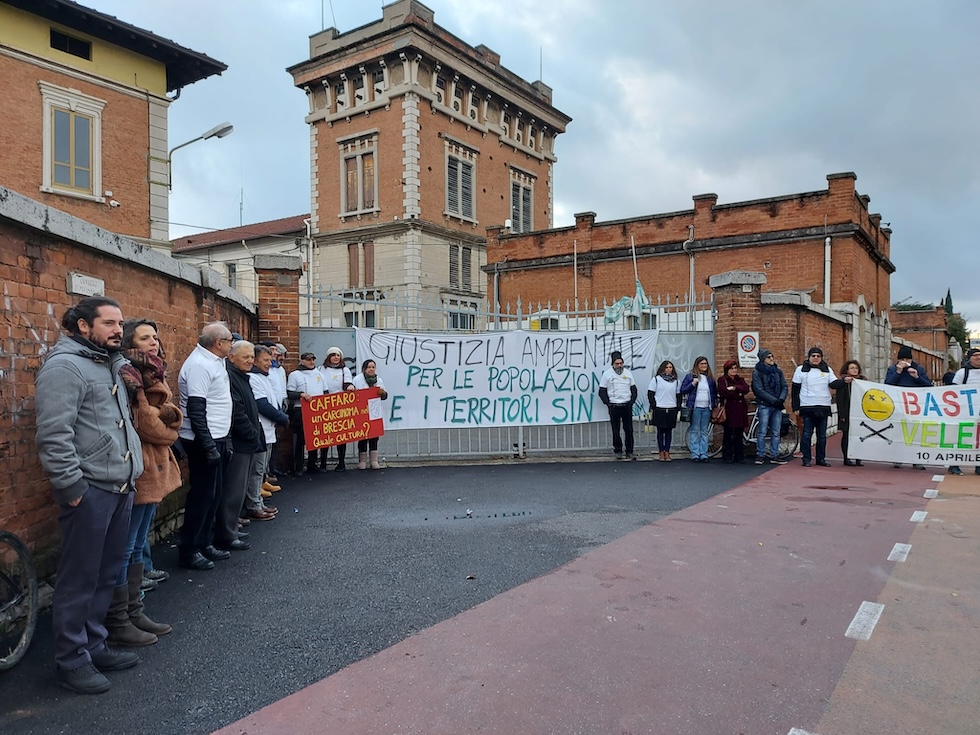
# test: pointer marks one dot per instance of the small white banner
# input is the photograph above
(505, 379)
(748, 349)
(935, 426)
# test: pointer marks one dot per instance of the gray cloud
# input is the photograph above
(748, 100)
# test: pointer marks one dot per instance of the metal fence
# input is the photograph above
(686, 331)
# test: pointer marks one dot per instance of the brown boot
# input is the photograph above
(134, 608)
(362, 460)
(375, 465)
(121, 630)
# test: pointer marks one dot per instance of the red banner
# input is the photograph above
(340, 418)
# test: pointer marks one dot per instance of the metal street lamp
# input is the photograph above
(218, 131)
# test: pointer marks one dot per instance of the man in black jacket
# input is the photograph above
(770, 390)
(246, 441)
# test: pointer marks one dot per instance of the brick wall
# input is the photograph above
(125, 142)
(34, 268)
(782, 237)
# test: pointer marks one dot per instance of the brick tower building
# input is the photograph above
(418, 143)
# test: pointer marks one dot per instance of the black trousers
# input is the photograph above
(93, 549)
(203, 497)
(732, 447)
(621, 415)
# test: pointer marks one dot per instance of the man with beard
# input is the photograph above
(91, 452)
(618, 391)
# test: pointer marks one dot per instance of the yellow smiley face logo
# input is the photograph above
(877, 405)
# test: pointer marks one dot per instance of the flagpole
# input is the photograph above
(636, 275)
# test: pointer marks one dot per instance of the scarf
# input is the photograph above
(371, 380)
(668, 378)
(143, 371)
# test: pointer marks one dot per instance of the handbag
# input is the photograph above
(686, 414)
(718, 414)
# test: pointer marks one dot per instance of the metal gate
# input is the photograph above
(686, 332)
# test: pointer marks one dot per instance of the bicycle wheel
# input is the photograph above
(790, 443)
(715, 440)
(18, 599)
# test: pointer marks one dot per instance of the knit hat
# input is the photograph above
(763, 354)
(334, 351)
(729, 364)
(815, 351)
(971, 352)
(904, 353)
(615, 355)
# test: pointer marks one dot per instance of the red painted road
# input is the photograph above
(727, 617)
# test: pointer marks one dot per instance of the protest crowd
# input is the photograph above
(111, 434)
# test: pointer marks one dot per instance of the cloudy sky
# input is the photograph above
(668, 99)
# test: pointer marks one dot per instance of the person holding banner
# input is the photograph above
(336, 378)
(850, 371)
(304, 383)
(701, 393)
(811, 400)
(969, 374)
(664, 395)
(907, 373)
(618, 391)
(369, 378)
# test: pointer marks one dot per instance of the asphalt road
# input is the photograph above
(355, 563)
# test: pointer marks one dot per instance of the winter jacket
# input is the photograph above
(769, 386)
(893, 377)
(690, 391)
(85, 433)
(246, 434)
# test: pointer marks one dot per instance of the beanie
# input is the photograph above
(904, 353)
(763, 354)
(615, 355)
(815, 351)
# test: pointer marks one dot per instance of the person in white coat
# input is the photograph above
(303, 384)
(336, 378)
(369, 378)
(969, 374)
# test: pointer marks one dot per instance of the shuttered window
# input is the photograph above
(460, 181)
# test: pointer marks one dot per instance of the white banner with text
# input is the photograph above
(915, 425)
(504, 379)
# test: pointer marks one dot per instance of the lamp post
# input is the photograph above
(218, 131)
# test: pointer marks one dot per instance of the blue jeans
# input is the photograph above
(140, 522)
(698, 434)
(771, 423)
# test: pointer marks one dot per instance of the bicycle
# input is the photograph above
(18, 599)
(789, 437)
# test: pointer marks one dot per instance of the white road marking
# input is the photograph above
(865, 620)
(931, 493)
(919, 516)
(938, 478)
(798, 731)
(900, 552)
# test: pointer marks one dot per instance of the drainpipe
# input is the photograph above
(309, 269)
(496, 292)
(690, 293)
(826, 271)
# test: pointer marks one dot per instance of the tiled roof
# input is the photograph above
(284, 226)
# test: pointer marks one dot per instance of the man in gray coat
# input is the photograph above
(91, 453)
